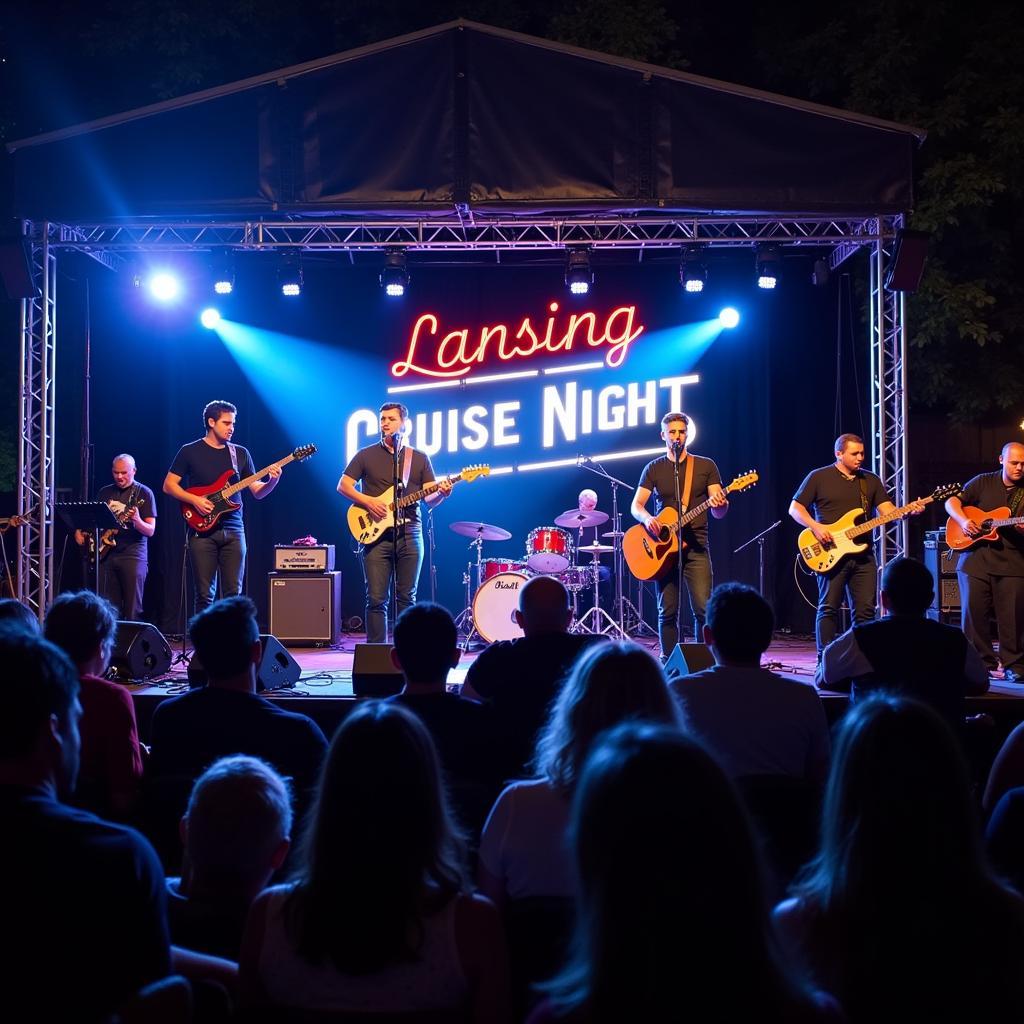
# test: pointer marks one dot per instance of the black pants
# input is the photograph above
(122, 580)
(856, 576)
(377, 571)
(217, 554)
(697, 577)
(1003, 596)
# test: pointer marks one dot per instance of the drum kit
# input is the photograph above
(555, 551)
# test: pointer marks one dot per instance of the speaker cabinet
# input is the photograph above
(941, 563)
(305, 610)
(689, 658)
(373, 674)
(140, 652)
(277, 668)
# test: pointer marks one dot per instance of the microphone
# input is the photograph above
(582, 460)
(677, 447)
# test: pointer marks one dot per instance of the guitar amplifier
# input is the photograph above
(941, 562)
(299, 558)
(305, 610)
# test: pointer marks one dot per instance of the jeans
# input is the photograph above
(697, 577)
(376, 560)
(220, 553)
(122, 579)
(856, 575)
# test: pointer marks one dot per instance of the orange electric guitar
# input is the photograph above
(645, 556)
(989, 522)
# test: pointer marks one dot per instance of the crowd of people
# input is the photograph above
(577, 837)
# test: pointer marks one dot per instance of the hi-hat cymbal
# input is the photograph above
(613, 533)
(482, 530)
(597, 549)
(576, 518)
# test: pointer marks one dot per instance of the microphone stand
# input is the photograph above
(397, 531)
(760, 538)
(676, 451)
(430, 551)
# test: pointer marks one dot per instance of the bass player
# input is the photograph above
(398, 552)
(831, 492)
(219, 552)
(991, 573)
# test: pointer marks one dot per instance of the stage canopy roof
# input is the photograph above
(465, 115)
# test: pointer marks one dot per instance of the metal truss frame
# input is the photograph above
(475, 234)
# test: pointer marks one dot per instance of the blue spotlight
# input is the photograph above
(729, 317)
(579, 275)
(768, 264)
(394, 278)
(289, 275)
(210, 318)
(164, 286)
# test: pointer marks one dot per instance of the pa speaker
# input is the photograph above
(373, 674)
(305, 610)
(277, 667)
(907, 263)
(140, 652)
(16, 270)
(689, 658)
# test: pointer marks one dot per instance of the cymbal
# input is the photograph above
(613, 533)
(576, 518)
(482, 530)
(597, 549)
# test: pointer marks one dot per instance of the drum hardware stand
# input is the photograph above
(464, 620)
(597, 621)
(760, 538)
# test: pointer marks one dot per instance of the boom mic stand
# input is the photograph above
(760, 538)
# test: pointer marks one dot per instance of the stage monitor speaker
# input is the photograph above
(140, 652)
(907, 263)
(373, 674)
(305, 609)
(277, 669)
(689, 658)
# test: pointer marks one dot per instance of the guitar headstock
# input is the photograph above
(944, 491)
(470, 473)
(743, 481)
(303, 453)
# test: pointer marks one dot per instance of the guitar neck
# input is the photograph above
(996, 523)
(896, 513)
(410, 499)
(242, 484)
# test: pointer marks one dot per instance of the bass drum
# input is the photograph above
(494, 606)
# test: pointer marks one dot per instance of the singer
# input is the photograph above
(396, 557)
(681, 480)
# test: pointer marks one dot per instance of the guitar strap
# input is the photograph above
(1016, 501)
(864, 495)
(406, 468)
(687, 482)
(233, 452)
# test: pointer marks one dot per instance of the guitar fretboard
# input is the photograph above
(414, 496)
(235, 488)
(896, 513)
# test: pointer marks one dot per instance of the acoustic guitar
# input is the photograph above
(990, 523)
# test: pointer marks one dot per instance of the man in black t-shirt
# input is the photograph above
(991, 573)
(220, 551)
(831, 492)
(124, 566)
(373, 468)
(659, 477)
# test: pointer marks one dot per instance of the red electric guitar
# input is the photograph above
(219, 492)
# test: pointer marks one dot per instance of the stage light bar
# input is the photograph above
(289, 276)
(579, 275)
(209, 318)
(729, 317)
(394, 278)
(164, 286)
(767, 265)
(693, 271)
(223, 273)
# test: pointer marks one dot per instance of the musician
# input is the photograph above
(220, 553)
(658, 478)
(124, 567)
(991, 573)
(831, 492)
(373, 468)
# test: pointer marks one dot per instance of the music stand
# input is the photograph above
(90, 517)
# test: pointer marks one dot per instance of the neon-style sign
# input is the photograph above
(456, 353)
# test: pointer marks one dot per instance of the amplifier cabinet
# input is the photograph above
(941, 563)
(305, 610)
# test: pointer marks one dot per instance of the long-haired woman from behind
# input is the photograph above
(672, 919)
(899, 916)
(379, 918)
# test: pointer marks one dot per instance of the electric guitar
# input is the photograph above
(108, 538)
(366, 530)
(645, 556)
(824, 557)
(989, 522)
(219, 492)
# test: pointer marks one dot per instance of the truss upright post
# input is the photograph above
(36, 412)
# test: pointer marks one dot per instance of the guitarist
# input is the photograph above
(221, 552)
(991, 573)
(124, 567)
(373, 468)
(831, 492)
(705, 484)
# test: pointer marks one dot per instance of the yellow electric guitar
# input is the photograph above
(845, 531)
(366, 530)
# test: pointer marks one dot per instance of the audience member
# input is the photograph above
(236, 833)
(426, 648)
(905, 651)
(84, 907)
(1007, 771)
(899, 916)
(672, 922)
(380, 918)
(85, 626)
(519, 679)
(226, 716)
(1004, 838)
(14, 614)
(754, 721)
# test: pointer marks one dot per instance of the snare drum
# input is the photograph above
(494, 606)
(548, 549)
(576, 578)
(492, 566)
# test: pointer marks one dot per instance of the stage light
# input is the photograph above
(209, 318)
(819, 275)
(223, 273)
(768, 264)
(164, 286)
(729, 317)
(394, 278)
(289, 276)
(693, 272)
(579, 275)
